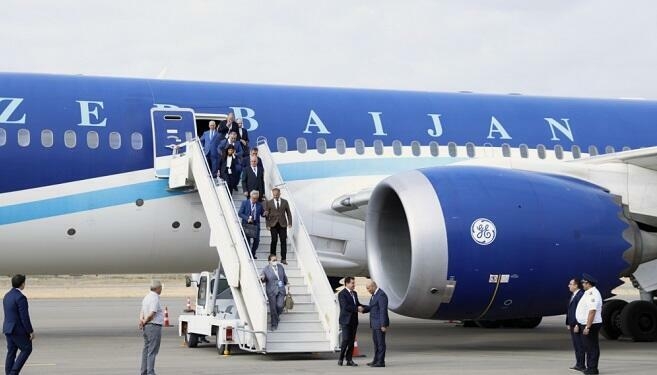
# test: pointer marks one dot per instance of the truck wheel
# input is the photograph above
(611, 324)
(191, 340)
(639, 321)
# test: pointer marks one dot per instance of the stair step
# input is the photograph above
(298, 347)
(313, 325)
(283, 336)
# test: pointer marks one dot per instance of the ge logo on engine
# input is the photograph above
(483, 231)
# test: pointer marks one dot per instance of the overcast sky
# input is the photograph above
(598, 48)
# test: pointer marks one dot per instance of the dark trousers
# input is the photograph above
(13, 364)
(232, 180)
(348, 338)
(278, 231)
(255, 241)
(379, 338)
(578, 346)
(214, 165)
(591, 345)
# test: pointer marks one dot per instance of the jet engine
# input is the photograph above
(480, 243)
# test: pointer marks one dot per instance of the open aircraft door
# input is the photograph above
(171, 127)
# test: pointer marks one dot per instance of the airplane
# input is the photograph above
(466, 206)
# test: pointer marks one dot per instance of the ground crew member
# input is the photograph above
(589, 318)
(151, 319)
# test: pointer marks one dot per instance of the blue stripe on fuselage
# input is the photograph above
(84, 201)
(158, 188)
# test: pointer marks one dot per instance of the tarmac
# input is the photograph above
(100, 336)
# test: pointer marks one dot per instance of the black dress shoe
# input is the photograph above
(591, 371)
(340, 362)
(578, 368)
(284, 262)
(352, 364)
(378, 365)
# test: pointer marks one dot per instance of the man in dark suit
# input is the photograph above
(17, 326)
(242, 135)
(250, 212)
(575, 287)
(227, 125)
(349, 308)
(379, 323)
(230, 141)
(253, 178)
(210, 140)
(279, 218)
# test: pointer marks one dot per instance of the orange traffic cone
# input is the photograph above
(189, 306)
(166, 317)
(357, 352)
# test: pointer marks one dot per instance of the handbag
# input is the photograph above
(289, 302)
(250, 230)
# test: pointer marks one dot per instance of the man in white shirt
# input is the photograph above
(589, 318)
(151, 319)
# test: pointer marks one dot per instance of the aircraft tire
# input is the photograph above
(639, 321)
(527, 323)
(489, 323)
(335, 282)
(611, 323)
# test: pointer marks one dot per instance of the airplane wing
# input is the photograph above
(643, 157)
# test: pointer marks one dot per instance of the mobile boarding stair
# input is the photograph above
(312, 326)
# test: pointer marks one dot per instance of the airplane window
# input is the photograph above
(558, 151)
(378, 147)
(397, 147)
(609, 150)
(46, 138)
(433, 148)
(359, 144)
(415, 148)
(627, 148)
(302, 145)
(92, 139)
(577, 153)
(23, 137)
(137, 141)
(340, 146)
(451, 147)
(70, 138)
(3, 137)
(281, 144)
(506, 150)
(524, 151)
(320, 144)
(115, 140)
(470, 149)
(541, 151)
(593, 151)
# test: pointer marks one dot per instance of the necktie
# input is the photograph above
(277, 204)
(255, 170)
(211, 134)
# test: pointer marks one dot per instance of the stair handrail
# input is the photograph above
(320, 288)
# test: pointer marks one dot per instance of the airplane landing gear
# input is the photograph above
(639, 321)
(611, 324)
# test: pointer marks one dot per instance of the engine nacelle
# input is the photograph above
(463, 242)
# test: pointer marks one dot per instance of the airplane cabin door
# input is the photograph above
(171, 127)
